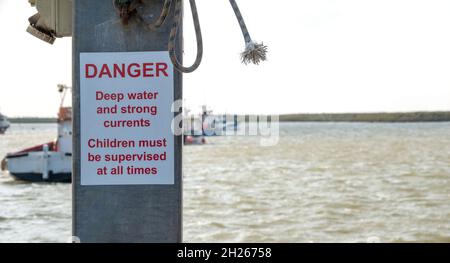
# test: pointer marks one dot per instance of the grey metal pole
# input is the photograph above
(204, 113)
(192, 125)
(122, 213)
(224, 124)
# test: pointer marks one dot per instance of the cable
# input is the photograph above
(162, 17)
(173, 35)
(254, 52)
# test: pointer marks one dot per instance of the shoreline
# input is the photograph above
(436, 116)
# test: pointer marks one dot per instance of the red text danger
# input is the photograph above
(133, 70)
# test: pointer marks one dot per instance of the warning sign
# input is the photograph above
(126, 101)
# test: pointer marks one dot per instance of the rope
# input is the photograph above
(241, 21)
(162, 17)
(173, 35)
(254, 52)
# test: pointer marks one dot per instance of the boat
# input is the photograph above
(198, 127)
(217, 125)
(194, 139)
(193, 130)
(4, 124)
(47, 162)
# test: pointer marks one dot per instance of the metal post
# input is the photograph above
(122, 213)
(45, 156)
(192, 125)
(224, 124)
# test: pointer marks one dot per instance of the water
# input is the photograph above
(323, 182)
(32, 212)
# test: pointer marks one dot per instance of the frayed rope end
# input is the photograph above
(254, 53)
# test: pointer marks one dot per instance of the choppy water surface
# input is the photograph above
(323, 182)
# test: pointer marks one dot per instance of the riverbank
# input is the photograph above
(24, 120)
(443, 116)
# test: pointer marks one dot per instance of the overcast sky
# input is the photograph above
(325, 56)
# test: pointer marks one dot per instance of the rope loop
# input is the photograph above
(173, 36)
(162, 17)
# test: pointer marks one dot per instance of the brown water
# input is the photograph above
(323, 182)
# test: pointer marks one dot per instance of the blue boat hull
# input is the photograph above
(36, 177)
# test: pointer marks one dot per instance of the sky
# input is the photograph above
(324, 56)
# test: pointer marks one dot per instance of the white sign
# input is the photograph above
(126, 101)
